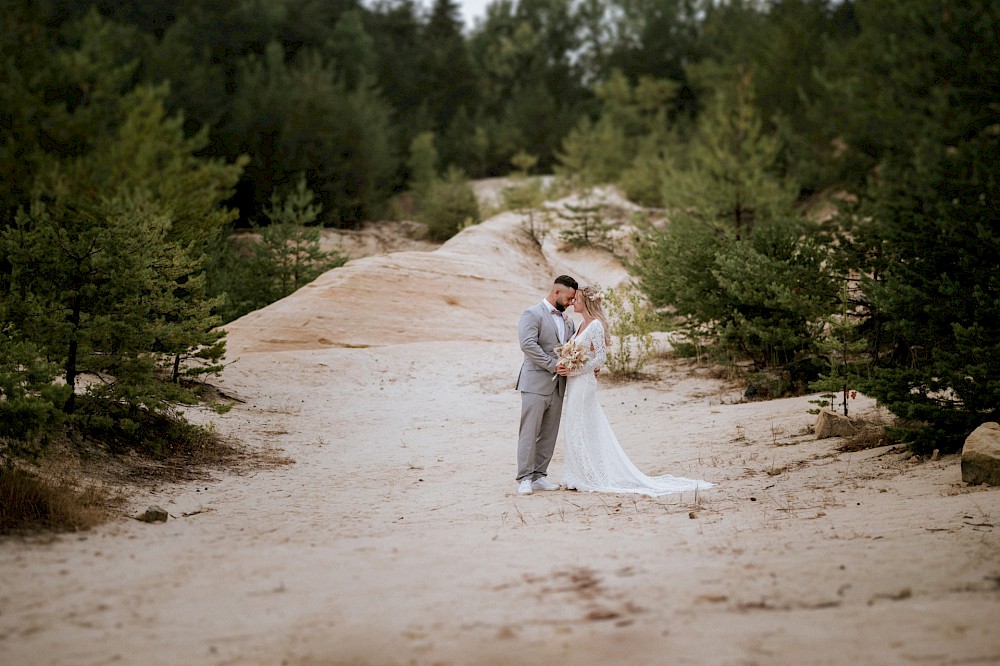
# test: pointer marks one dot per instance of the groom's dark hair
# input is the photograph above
(567, 281)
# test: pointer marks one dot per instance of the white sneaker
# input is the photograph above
(541, 484)
(525, 487)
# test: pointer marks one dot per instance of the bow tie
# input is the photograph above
(556, 312)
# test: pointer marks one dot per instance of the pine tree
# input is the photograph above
(302, 118)
(731, 174)
(632, 117)
(937, 303)
(530, 86)
(277, 259)
(353, 50)
(105, 267)
(447, 74)
(97, 289)
(918, 123)
(745, 274)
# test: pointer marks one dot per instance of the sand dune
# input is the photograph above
(396, 537)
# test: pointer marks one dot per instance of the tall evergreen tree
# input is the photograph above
(935, 302)
(301, 118)
(448, 81)
(654, 39)
(919, 133)
(746, 275)
(352, 51)
(396, 32)
(633, 118)
(107, 274)
(532, 92)
(915, 53)
(731, 173)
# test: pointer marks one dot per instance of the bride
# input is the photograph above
(594, 460)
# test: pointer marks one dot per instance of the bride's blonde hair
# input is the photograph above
(591, 301)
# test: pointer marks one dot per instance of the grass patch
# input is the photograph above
(30, 503)
(871, 435)
(89, 469)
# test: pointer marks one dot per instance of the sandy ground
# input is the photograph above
(396, 537)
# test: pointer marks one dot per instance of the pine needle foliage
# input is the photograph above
(935, 305)
(745, 274)
(278, 258)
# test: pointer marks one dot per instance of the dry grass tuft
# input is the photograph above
(30, 502)
(870, 436)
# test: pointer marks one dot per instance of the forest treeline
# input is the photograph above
(339, 90)
(136, 136)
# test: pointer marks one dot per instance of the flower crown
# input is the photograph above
(592, 294)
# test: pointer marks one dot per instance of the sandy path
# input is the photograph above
(397, 538)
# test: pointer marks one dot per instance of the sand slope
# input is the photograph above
(397, 537)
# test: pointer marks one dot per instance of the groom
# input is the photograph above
(540, 329)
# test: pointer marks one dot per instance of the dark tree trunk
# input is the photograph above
(71, 356)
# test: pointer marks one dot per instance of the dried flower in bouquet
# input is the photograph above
(572, 354)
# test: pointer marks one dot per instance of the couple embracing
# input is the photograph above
(551, 391)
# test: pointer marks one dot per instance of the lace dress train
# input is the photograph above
(594, 459)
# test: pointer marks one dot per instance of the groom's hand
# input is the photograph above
(562, 370)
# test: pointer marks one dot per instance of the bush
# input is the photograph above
(284, 257)
(449, 206)
(30, 402)
(632, 323)
(643, 181)
(762, 298)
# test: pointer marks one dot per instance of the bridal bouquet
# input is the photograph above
(572, 354)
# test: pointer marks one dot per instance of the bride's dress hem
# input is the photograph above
(594, 460)
(646, 492)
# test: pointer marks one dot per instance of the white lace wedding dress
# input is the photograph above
(594, 459)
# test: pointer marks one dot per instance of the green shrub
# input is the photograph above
(632, 322)
(762, 298)
(449, 206)
(643, 181)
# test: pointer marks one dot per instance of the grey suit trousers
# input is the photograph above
(536, 441)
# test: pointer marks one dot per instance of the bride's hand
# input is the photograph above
(562, 370)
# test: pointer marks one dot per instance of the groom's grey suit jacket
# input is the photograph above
(539, 337)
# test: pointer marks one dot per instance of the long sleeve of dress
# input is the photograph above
(600, 351)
